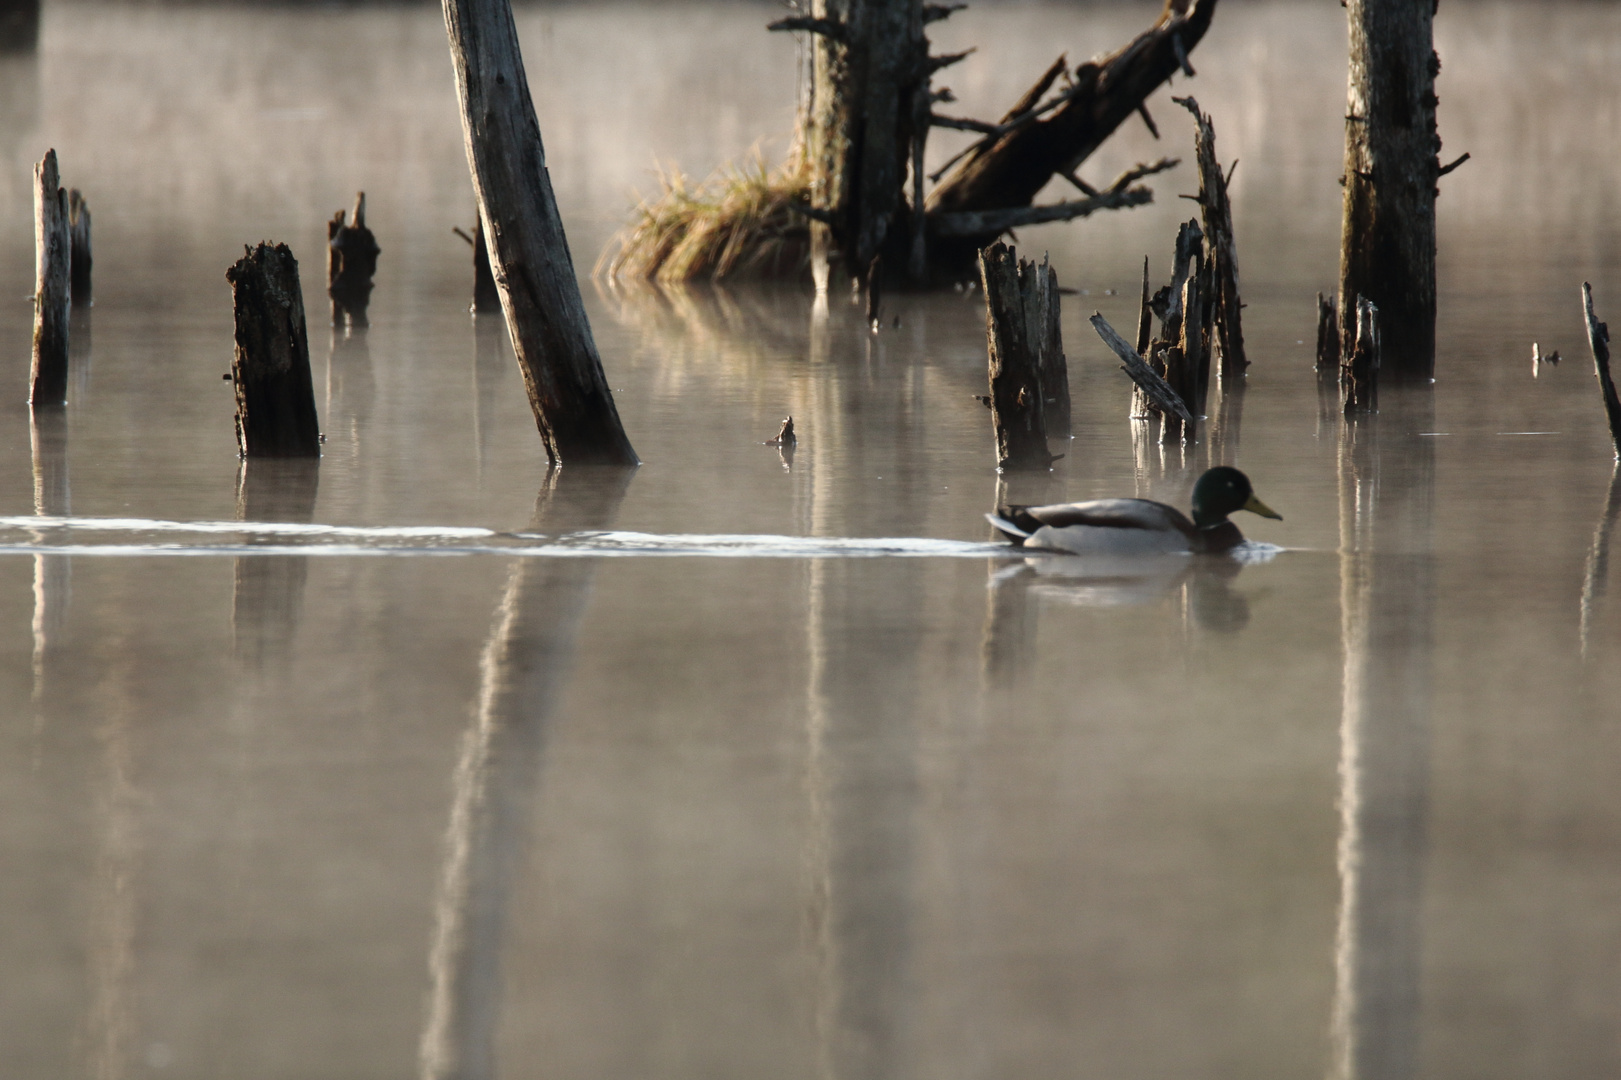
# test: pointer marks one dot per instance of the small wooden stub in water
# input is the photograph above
(1598, 336)
(79, 244)
(1226, 326)
(1359, 372)
(1328, 334)
(275, 396)
(351, 263)
(486, 298)
(1153, 386)
(1019, 302)
(52, 289)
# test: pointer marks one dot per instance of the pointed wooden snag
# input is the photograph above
(534, 272)
(351, 263)
(52, 286)
(79, 244)
(1226, 323)
(275, 396)
(1018, 301)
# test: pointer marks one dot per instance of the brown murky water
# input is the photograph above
(741, 768)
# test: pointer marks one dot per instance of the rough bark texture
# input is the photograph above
(1046, 316)
(52, 289)
(1009, 170)
(79, 243)
(351, 263)
(1387, 239)
(275, 397)
(534, 272)
(1359, 373)
(1598, 336)
(1183, 360)
(1017, 297)
(870, 63)
(1222, 300)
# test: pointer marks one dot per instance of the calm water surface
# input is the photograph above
(791, 773)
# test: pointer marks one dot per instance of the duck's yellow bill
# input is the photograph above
(1256, 506)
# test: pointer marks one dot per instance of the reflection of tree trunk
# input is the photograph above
(53, 574)
(1596, 580)
(489, 364)
(525, 664)
(1388, 611)
(269, 594)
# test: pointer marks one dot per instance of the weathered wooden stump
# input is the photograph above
(1221, 298)
(52, 286)
(1183, 360)
(275, 396)
(1598, 337)
(1359, 370)
(351, 263)
(1328, 334)
(1027, 372)
(79, 245)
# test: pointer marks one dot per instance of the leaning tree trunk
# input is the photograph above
(869, 62)
(1387, 238)
(546, 318)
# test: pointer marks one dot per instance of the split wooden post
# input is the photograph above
(1328, 334)
(1192, 355)
(1359, 370)
(534, 272)
(1387, 236)
(1226, 323)
(1598, 336)
(351, 263)
(79, 245)
(275, 396)
(1015, 322)
(52, 288)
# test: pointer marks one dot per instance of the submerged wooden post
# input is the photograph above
(1013, 294)
(1328, 334)
(1598, 336)
(534, 272)
(1226, 325)
(52, 287)
(1046, 319)
(351, 263)
(1359, 371)
(79, 245)
(275, 397)
(1387, 237)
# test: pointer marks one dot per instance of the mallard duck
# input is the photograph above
(1138, 526)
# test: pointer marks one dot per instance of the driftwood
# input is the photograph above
(275, 397)
(79, 244)
(1387, 237)
(351, 263)
(551, 335)
(1038, 139)
(1019, 316)
(1359, 372)
(1221, 298)
(1598, 336)
(52, 287)
(1163, 397)
(1328, 334)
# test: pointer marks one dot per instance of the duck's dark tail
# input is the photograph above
(1013, 523)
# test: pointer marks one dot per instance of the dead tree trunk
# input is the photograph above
(79, 244)
(1183, 360)
(1018, 298)
(1387, 237)
(52, 286)
(1598, 337)
(351, 263)
(275, 397)
(869, 62)
(1359, 371)
(534, 272)
(1226, 324)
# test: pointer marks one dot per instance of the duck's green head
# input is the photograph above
(1222, 491)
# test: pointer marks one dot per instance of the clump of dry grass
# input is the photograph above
(739, 222)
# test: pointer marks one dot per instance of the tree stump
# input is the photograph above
(1221, 299)
(275, 396)
(52, 286)
(534, 272)
(1387, 238)
(79, 246)
(1018, 296)
(351, 263)
(1328, 334)
(1359, 371)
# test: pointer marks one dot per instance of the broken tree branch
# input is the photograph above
(996, 222)
(829, 28)
(1155, 387)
